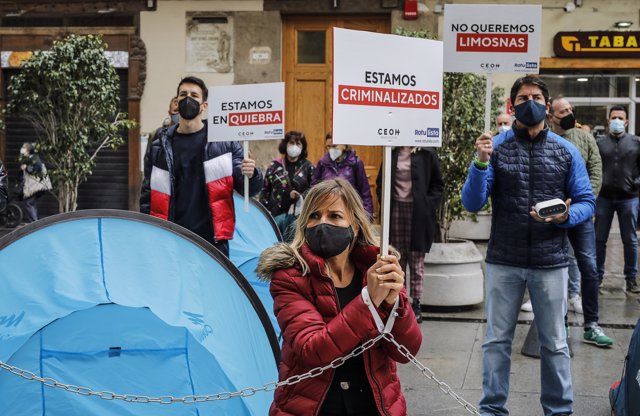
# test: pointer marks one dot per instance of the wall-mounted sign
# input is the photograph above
(488, 38)
(209, 43)
(602, 44)
(410, 9)
(259, 55)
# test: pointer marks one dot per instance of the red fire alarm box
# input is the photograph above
(410, 9)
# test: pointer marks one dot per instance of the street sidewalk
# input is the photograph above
(452, 349)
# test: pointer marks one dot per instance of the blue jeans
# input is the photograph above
(548, 291)
(583, 243)
(627, 210)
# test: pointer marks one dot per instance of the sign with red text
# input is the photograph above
(387, 89)
(488, 38)
(246, 112)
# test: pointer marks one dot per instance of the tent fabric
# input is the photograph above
(255, 231)
(73, 349)
(75, 286)
(624, 395)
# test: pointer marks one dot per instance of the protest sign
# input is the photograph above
(387, 90)
(488, 38)
(246, 112)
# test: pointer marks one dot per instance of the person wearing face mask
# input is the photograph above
(518, 169)
(286, 181)
(332, 293)
(35, 183)
(416, 190)
(172, 118)
(503, 122)
(189, 180)
(341, 161)
(582, 247)
(620, 153)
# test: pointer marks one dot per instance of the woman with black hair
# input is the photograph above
(286, 181)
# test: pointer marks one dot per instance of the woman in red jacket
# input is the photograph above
(329, 288)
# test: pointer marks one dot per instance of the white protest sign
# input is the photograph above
(246, 112)
(488, 38)
(387, 89)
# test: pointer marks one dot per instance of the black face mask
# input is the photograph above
(188, 108)
(530, 112)
(327, 240)
(567, 122)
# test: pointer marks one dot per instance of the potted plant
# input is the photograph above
(453, 272)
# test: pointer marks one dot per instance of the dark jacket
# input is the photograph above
(277, 186)
(317, 331)
(522, 173)
(426, 191)
(350, 168)
(4, 187)
(620, 166)
(223, 173)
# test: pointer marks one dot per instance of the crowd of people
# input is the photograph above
(332, 288)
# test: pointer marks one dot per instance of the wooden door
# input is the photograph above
(307, 68)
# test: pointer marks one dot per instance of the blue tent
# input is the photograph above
(123, 302)
(255, 231)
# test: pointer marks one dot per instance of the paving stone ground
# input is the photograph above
(452, 349)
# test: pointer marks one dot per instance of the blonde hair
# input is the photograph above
(320, 195)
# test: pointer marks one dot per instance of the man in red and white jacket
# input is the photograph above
(190, 181)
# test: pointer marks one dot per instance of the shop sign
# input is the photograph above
(601, 44)
(387, 89)
(489, 38)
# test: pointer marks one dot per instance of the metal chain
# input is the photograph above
(430, 375)
(249, 391)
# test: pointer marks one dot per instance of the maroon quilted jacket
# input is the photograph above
(316, 331)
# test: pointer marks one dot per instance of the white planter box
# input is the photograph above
(469, 229)
(453, 275)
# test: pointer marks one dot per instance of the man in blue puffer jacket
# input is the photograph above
(518, 169)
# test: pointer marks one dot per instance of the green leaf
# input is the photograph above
(462, 122)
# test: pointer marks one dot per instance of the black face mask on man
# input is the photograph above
(530, 112)
(327, 240)
(568, 122)
(188, 108)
